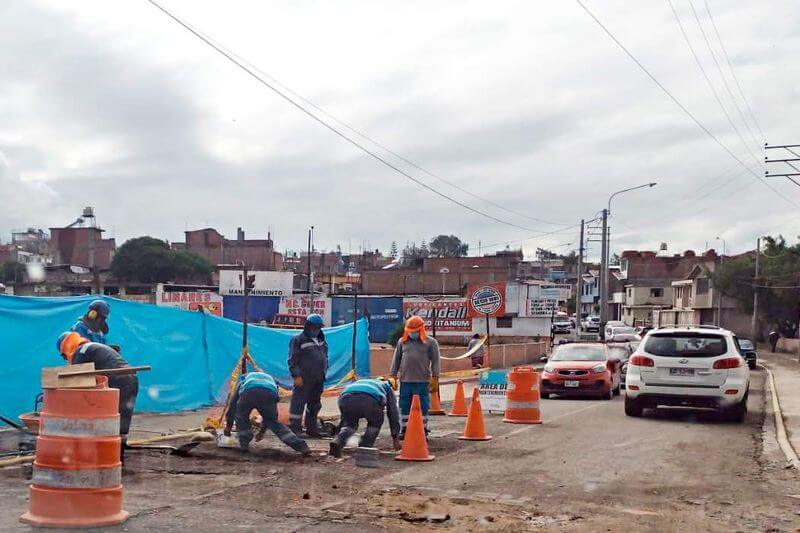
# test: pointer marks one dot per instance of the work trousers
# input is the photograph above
(128, 386)
(353, 408)
(266, 403)
(307, 398)
(407, 391)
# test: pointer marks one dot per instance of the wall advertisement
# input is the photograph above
(267, 283)
(451, 314)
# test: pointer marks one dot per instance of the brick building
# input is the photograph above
(257, 254)
(74, 246)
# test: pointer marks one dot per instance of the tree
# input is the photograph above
(393, 250)
(543, 254)
(412, 253)
(447, 246)
(150, 260)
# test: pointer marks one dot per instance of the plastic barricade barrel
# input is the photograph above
(77, 474)
(522, 397)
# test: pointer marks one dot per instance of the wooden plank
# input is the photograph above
(103, 372)
(51, 379)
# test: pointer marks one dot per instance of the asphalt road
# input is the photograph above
(587, 467)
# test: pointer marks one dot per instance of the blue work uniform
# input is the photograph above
(308, 359)
(367, 398)
(257, 390)
(85, 331)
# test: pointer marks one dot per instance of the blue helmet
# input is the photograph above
(315, 320)
(100, 308)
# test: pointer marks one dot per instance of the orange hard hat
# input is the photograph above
(415, 324)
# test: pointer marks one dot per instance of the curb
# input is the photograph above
(780, 428)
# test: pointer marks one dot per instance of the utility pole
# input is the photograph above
(310, 282)
(579, 283)
(604, 271)
(754, 318)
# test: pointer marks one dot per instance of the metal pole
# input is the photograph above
(355, 331)
(719, 299)
(245, 312)
(488, 344)
(754, 318)
(310, 283)
(579, 284)
(603, 270)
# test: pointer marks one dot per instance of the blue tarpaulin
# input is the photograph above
(192, 353)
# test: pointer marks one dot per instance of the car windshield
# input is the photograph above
(686, 345)
(746, 344)
(622, 330)
(620, 352)
(578, 352)
(627, 337)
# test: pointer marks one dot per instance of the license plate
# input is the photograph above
(572, 383)
(681, 372)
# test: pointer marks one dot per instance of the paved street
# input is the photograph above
(588, 467)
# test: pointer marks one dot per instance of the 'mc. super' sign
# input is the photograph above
(487, 299)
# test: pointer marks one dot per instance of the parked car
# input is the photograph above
(688, 366)
(748, 351)
(562, 324)
(592, 323)
(611, 331)
(581, 369)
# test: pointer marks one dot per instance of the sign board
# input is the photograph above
(267, 283)
(191, 301)
(299, 305)
(555, 291)
(542, 307)
(451, 314)
(493, 386)
(487, 299)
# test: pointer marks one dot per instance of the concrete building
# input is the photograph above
(590, 292)
(257, 254)
(76, 245)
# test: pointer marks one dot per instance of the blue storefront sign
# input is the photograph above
(384, 313)
(259, 308)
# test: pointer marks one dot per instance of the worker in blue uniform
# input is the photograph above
(257, 390)
(93, 325)
(308, 363)
(368, 399)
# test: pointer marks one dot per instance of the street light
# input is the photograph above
(604, 253)
(724, 245)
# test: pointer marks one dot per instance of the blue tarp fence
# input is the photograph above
(192, 353)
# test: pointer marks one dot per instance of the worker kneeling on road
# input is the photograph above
(416, 359)
(366, 398)
(257, 390)
(308, 363)
(77, 349)
(92, 325)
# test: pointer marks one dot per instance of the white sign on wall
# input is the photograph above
(302, 306)
(556, 291)
(267, 283)
(542, 307)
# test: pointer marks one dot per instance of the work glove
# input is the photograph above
(392, 380)
(298, 381)
(227, 431)
(434, 384)
(396, 443)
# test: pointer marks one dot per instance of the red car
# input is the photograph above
(581, 369)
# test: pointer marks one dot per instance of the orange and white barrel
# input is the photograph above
(522, 397)
(77, 474)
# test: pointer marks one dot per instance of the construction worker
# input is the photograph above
(76, 349)
(477, 357)
(366, 398)
(308, 363)
(92, 325)
(416, 360)
(257, 390)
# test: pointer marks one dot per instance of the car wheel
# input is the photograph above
(618, 390)
(545, 396)
(633, 408)
(738, 412)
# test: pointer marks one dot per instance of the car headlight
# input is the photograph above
(550, 369)
(597, 369)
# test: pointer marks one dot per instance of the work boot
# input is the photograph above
(335, 449)
(305, 451)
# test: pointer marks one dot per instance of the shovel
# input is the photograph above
(181, 451)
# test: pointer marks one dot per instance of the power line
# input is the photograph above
(708, 80)
(679, 104)
(329, 126)
(733, 72)
(724, 80)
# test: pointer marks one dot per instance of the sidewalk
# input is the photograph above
(786, 372)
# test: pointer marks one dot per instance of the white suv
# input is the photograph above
(696, 366)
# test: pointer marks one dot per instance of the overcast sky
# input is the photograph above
(527, 104)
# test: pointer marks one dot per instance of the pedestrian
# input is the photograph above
(367, 399)
(93, 325)
(416, 361)
(477, 356)
(308, 363)
(76, 349)
(774, 336)
(257, 390)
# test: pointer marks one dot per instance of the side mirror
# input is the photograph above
(543, 359)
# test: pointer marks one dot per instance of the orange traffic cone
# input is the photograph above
(460, 402)
(475, 430)
(436, 404)
(415, 447)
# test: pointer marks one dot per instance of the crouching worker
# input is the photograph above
(76, 350)
(366, 398)
(257, 390)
